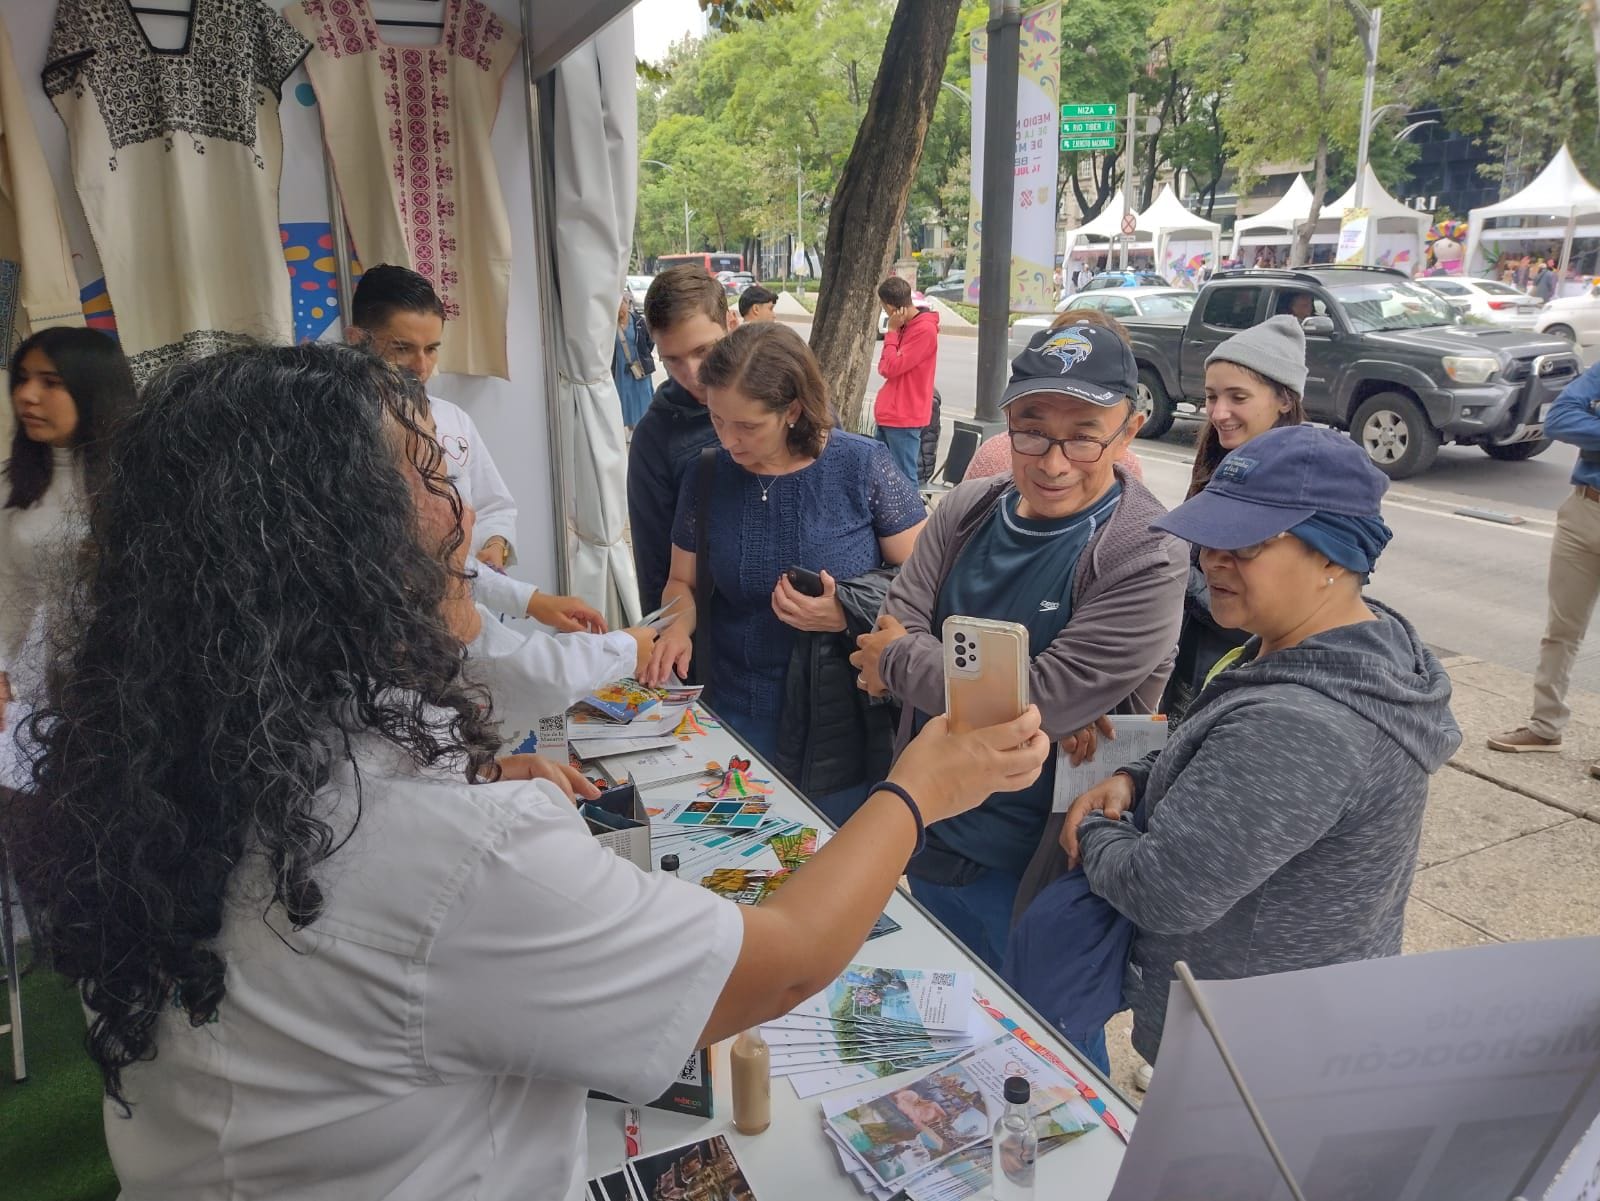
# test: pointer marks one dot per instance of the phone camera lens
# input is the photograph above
(960, 638)
(960, 662)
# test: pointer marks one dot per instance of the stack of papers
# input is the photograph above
(627, 709)
(930, 1137)
(873, 1022)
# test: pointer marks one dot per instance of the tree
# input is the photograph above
(870, 201)
(1104, 49)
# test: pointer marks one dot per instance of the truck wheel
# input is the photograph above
(1152, 400)
(1517, 452)
(1396, 434)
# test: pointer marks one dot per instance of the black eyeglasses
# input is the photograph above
(1078, 450)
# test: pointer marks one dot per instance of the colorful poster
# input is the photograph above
(1352, 235)
(1038, 150)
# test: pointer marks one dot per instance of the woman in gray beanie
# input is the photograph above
(1253, 384)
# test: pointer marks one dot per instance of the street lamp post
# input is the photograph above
(999, 183)
(655, 162)
(1369, 22)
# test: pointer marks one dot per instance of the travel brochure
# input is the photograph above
(703, 1171)
(874, 1022)
(930, 1137)
(628, 709)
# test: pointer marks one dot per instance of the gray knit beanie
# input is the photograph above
(1276, 349)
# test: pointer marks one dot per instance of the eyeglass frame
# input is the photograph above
(1104, 444)
(1247, 554)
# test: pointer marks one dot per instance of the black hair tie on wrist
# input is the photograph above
(916, 813)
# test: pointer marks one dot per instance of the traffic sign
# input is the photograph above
(1129, 224)
(1074, 128)
(1088, 110)
(1072, 144)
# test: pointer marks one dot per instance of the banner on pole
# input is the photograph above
(1352, 235)
(1033, 218)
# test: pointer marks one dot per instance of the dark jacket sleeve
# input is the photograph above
(928, 457)
(652, 502)
(862, 600)
(1571, 418)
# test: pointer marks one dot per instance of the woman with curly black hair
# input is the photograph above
(320, 960)
(67, 387)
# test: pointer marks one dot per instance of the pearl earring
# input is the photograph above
(1329, 583)
(791, 425)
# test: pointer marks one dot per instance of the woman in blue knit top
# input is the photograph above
(788, 489)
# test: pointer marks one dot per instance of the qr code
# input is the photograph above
(691, 1071)
(944, 979)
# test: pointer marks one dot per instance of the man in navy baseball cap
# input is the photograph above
(1087, 361)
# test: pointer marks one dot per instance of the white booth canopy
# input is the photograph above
(1559, 197)
(1288, 211)
(1107, 225)
(1167, 220)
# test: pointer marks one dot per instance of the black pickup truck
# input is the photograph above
(1388, 361)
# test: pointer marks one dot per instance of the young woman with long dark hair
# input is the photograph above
(67, 388)
(330, 945)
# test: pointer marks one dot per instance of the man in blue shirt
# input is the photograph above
(1574, 572)
(1063, 546)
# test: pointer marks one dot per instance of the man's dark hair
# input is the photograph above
(96, 375)
(271, 490)
(753, 295)
(895, 292)
(680, 292)
(386, 290)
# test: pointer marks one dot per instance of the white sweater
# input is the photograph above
(35, 544)
(478, 482)
(532, 674)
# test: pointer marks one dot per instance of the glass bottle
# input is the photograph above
(1016, 1144)
(750, 1063)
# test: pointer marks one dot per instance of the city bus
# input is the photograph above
(713, 261)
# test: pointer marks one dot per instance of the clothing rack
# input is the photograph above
(397, 23)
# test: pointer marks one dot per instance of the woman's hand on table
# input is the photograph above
(868, 658)
(947, 773)
(1112, 797)
(564, 776)
(671, 656)
(809, 614)
(644, 638)
(1080, 748)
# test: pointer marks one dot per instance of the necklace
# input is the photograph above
(765, 487)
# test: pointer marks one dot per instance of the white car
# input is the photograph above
(1125, 304)
(1488, 299)
(1576, 318)
(639, 285)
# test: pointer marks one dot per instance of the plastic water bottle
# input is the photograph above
(1016, 1144)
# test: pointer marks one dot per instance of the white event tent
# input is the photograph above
(1550, 207)
(1107, 225)
(1278, 223)
(1395, 227)
(1171, 224)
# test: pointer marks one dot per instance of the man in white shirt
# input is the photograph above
(397, 313)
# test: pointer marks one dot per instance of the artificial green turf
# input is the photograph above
(52, 1145)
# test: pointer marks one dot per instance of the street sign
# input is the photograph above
(1129, 224)
(1071, 144)
(1073, 128)
(1069, 111)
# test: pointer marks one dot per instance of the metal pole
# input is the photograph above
(999, 188)
(1127, 172)
(1373, 25)
(685, 218)
(799, 211)
(341, 242)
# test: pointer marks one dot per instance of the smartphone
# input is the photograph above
(807, 583)
(985, 672)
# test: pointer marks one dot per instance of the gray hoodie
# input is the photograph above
(1281, 823)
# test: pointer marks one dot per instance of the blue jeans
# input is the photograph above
(840, 806)
(905, 448)
(979, 914)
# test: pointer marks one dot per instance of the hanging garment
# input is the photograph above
(177, 155)
(38, 287)
(408, 128)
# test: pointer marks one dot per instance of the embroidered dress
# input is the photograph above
(408, 128)
(176, 155)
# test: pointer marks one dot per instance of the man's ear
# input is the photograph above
(733, 320)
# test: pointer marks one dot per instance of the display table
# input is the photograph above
(793, 1160)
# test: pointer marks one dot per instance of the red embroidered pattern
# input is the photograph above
(344, 31)
(418, 106)
(471, 35)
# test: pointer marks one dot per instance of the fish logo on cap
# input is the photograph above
(1069, 347)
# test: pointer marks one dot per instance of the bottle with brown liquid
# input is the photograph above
(750, 1062)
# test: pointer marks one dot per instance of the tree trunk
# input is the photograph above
(870, 203)
(1300, 253)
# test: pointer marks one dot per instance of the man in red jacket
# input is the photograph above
(910, 352)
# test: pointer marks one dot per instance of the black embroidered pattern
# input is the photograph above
(196, 344)
(211, 88)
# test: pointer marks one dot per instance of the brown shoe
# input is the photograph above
(1522, 740)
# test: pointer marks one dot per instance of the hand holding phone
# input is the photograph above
(807, 583)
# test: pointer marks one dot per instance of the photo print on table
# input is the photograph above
(705, 1169)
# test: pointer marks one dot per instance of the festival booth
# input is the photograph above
(1108, 228)
(495, 152)
(1275, 227)
(1399, 230)
(1558, 208)
(1186, 243)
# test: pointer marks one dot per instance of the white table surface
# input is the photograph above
(793, 1160)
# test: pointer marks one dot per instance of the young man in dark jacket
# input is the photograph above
(686, 312)
(1063, 546)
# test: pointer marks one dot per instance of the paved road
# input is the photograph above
(1470, 586)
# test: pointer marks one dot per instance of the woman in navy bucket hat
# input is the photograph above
(1278, 830)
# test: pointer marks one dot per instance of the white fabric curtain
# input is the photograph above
(594, 143)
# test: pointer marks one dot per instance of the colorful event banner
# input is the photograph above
(1033, 200)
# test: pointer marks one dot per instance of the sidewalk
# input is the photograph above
(1510, 843)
